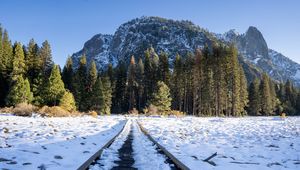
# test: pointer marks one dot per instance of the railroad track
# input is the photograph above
(125, 152)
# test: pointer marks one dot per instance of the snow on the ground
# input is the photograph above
(53, 143)
(145, 154)
(241, 143)
(144, 151)
(109, 155)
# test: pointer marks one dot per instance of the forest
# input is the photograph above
(207, 82)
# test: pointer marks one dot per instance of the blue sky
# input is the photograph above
(67, 24)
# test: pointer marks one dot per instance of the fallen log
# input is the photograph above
(209, 158)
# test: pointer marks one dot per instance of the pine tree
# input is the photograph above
(254, 98)
(19, 92)
(92, 76)
(46, 58)
(55, 88)
(164, 71)
(32, 61)
(79, 84)
(177, 83)
(243, 92)
(197, 82)
(149, 74)
(18, 61)
(107, 96)
(235, 88)
(97, 102)
(266, 99)
(5, 67)
(67, 101)
(140, 83)
(298, 103)
(7, 55)
(68, 74)
(188, 79)
(38, 90)
(161, 98)
(289, 102)
(91, 80)
(131, 84)
(120, 101)
(1, 49)
(110, 73)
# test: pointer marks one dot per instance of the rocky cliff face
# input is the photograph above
(135, 36)
(254, 49)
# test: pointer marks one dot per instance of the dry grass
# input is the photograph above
(133, 112)
(93, 114)
(283, 115)
(24, 109)
(176, 113)
(6, 110)
(54, 111)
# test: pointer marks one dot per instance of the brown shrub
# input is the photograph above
(24, 109)
(152, 110)
(283, 115)
(54, 111)
(93, 114)
(176, 113)
(6, 110)
(133, 111)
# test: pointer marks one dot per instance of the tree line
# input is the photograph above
(208, 82)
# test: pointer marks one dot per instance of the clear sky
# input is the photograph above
(67, 24)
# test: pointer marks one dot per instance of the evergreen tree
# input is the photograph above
(197, 83)
(32, 61)
(289, 99)
(131, 84)
(254, 98)
(235, 83)
(46, 58)
(1, 49)
(266, 99)
(161, 98)
(140, 83)
(177, 83)
(91, 80)
(120, 101)
(187, 80)
(38, 85)
(67, 102)
(7, 55)
(18, 61)
(244, 100)
(97, 96)
(149, 74)
(55, 88)
(79, 84)
(68, 74)
(110, 73)
(107, 96)
(92, 76)
(19, 92)
(164, 71)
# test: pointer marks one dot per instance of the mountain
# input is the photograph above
(254, 49)
(135, 36)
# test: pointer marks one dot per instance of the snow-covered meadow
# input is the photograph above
(65, 143)
(240, 143)
(53, 143)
